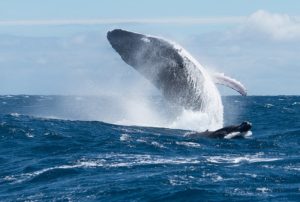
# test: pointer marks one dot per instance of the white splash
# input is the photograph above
(133, 107)
(211, 114)
(145, 40)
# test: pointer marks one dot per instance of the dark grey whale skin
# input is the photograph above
(222, 132)
(162, 64)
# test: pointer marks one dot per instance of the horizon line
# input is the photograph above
(83, 95)
(103, 21)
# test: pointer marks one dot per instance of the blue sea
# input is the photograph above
(54, 152)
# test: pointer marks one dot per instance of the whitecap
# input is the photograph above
(268, 166)
(296, 103)
(214, 177)
(240, 159)
(242, 192)
(30, 135)
(9, 178)
(249, 174)
(263, 190)
(131, 130)
(156, 144)
(153, 143)
(141, 140)
(15, 114)
(124, 137)
(295, 168)
(269, 105)
(177, 180)
(142, 159)
(108, 161)
(189, 144)
(27, 176)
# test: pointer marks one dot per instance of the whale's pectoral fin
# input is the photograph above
(220, 78)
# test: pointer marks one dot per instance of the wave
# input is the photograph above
(106, 161)
(189, 144)
(121, 160)
(233, 159)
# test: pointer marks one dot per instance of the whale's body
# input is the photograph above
(234, 131)
(180, 78)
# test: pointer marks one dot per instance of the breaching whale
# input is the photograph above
(171, 69)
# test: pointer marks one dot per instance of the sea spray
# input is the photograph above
(141, 110)
(210, 116)
(145, 110)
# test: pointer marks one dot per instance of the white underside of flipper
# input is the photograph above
(220, 78)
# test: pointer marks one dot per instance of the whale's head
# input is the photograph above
(245, 126)
(151, 56)
(129, 45)
(122, 40)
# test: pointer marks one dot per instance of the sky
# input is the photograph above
(60, 46)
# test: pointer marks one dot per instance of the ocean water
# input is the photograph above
(52, 149)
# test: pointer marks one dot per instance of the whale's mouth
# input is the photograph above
(120, 39)
(128, 45)
(116, 34)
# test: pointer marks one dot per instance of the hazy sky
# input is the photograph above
(60, 46)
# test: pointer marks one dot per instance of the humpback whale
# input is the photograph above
(171, 69)
(240, 131)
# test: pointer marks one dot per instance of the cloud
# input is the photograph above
(262, 52)
(202, 20)
(278, 27)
